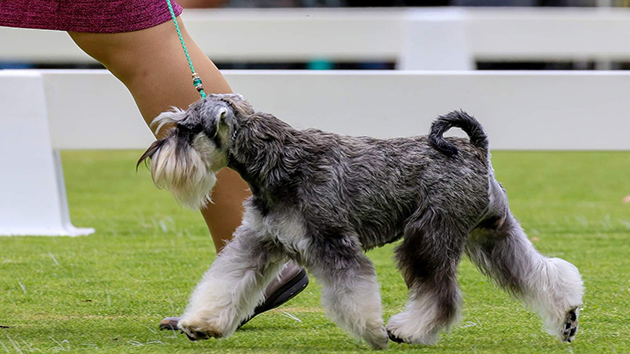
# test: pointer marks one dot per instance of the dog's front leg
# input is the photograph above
(232, 288)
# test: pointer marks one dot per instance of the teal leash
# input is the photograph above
(196, 79)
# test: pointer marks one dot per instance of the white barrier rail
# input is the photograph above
(415, 38)
(50, 110)
(549, 110)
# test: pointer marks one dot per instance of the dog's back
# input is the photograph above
(375, 185)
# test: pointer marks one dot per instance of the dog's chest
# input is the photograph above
(287, 230)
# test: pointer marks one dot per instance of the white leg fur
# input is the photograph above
(553, 287)
(419, 323)
(355, 306)
(228, 293)
(550, 286)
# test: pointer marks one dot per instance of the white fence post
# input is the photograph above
(435, 40)
(32, 193)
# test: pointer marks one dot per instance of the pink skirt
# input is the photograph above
(96, 16)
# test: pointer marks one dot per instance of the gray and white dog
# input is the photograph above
(322, 199)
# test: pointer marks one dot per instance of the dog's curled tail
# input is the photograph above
(457, 119)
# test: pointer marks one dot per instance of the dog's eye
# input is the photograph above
(210, 131)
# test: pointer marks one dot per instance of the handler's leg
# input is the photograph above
(152, 64)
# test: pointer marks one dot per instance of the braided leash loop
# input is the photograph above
(196, 79)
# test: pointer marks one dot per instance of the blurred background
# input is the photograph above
(547, 78)
(380, 35)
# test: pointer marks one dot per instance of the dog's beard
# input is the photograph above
(188, 173)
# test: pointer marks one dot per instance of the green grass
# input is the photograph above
(107, 292)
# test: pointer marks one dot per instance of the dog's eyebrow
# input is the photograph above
(192, 129)
(230, 103)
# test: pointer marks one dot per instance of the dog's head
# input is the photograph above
(196, 147)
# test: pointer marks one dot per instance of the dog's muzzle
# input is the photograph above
(182, 164)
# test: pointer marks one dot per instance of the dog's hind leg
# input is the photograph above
(233, 286)
(350, 291)
(428, 259)
(551, 286)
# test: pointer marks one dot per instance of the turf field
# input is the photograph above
(107, 292)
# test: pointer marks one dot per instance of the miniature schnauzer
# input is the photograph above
(322, 199)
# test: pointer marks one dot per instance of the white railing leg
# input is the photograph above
(32, 192)
(435, 40)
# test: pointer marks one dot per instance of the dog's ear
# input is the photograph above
(170, 117)
(222, 119)
(218, 120)
(221, 115)
(238, 104)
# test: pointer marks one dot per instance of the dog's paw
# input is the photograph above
(196, 329)
(401, 329)
(377, 339)
(570, 325)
